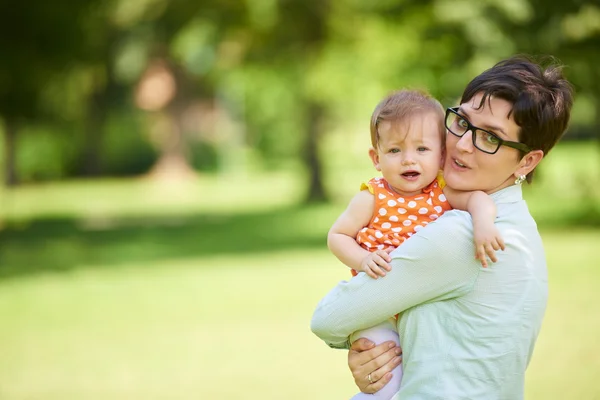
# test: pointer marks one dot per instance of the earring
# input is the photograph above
(520, 179)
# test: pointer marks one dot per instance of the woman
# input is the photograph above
(467, 332)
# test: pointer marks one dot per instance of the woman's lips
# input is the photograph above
(459, 164)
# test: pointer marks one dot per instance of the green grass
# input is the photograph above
(237, 326)
(133, 289)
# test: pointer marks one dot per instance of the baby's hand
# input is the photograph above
(487, 242)
(376, 263)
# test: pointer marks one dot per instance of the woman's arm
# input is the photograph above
(435, 264)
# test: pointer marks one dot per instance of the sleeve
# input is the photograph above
(426, 268)
(367, 186)
(441, 180)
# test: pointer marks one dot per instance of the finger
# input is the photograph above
(361, 353)
(491, 253)
(495, 245)
(501, 243)
(480, 256)
(371, 273)
(373, 265)
(382, 375)
(362, 344)
(383, 260)
(385, 254)
(382, 264)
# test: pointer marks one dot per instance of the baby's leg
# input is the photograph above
(382, 333)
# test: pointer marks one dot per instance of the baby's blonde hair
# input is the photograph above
(400, 105)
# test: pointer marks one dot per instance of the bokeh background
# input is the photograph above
(170, 170)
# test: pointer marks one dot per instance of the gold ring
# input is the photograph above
(369, 378)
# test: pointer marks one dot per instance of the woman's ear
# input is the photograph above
(374, 155)
(529, 162)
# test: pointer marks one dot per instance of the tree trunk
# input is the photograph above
(173, 162)
(316, 188)
(94, 127)
(10, 168)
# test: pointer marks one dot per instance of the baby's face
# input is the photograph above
(409, 153)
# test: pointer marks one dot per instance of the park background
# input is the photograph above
(170, 170)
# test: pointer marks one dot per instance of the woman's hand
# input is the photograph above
(367, 360)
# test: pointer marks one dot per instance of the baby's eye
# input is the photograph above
(422, 148)
(394, 150)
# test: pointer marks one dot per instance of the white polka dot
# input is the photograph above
(393, 218)
(442, 197)
(400, 199)
(364, 229)
(372, 238)
(418, 228)
(381, 196)
(396, 229)
(391, 203)
(369, 245)
(412, 204)
(423, 210)
(434, 216)
(378, 234)
(412, 217)
(381, 246)
(402, 211)
(437, 209)
(409, 234)
(429, 202)
(376, 219)
(382, 211)
(386, 225)
(388, 242)
(407, 222)
(419, 198)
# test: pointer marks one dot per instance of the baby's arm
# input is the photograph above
(483, 210)
(342, 238)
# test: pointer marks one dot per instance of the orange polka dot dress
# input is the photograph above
(396, 218)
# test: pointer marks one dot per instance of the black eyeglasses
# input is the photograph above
(483, 140)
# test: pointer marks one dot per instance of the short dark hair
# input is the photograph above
(541, 97)
(400, 105)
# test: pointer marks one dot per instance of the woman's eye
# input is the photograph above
(490, 138)
(462, 123)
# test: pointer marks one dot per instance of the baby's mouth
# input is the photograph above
(411, 174)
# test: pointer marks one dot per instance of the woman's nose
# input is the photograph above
(465, 142)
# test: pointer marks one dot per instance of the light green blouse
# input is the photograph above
(467, 332)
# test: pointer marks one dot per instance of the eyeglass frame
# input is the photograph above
(470, 127)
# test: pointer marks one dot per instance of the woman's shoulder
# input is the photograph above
(453, 223)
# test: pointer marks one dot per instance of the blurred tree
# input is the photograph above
(275, 75)
(571, 32)
(37, 42)
(288, 40)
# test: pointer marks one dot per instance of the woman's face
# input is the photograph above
(466, 167)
